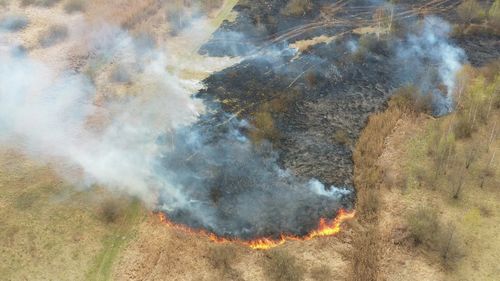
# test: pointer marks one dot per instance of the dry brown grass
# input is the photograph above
(367, 176)
(222, 258)
(297, 7)
(365, 254)
(471, 10)
(53, 35)
(321, 273)
(72, 6)
(282, 266)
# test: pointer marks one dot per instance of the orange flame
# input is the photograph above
(325, 228)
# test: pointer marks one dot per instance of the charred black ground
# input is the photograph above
(281, 118)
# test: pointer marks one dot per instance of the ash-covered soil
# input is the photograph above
(326, 95)
(310, 104)
(330, 89)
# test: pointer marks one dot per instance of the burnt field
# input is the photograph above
(319, 98)
(300, 110)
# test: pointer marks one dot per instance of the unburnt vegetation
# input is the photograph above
(478, 17)
(453, 165)
(42, 3)
(53, 35)
(13, 23)
(72, 6)
(222, 258)
(367, 176)
(282, 266)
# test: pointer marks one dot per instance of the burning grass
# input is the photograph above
(325, 228)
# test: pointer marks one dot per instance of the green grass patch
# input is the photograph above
(124, 231)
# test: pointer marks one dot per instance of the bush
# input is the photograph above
(463, 128)
(264, 128)
(423, 225)
(494, 15)
(470, 11)
(27, 2)
(72, 6)
(47, 3)
(221, 257)
(365, 254)
(54, 35)
(283, 267)
(321, 273)
(121, 74)
(368, 202)
(43, 3)
(111, 210)
(449, 246)
(209, 5)
(341, 136)
(410, 99)
(25, 200)
(296, 7)
(14, 23)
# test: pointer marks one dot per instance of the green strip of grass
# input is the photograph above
(113, 244)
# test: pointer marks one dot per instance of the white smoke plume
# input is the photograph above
(46, 113)
(427, 59)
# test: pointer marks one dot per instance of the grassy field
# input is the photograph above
(121, 232)
(46, 224)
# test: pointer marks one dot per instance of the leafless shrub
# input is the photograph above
(296, 7)
(311, 78)
(423, 224)
(449, 246)
(341, 136)
(368, 202)
(14, 23)
(25, 200)
(463, 127)
(494, 15)
(470, 10)
(120, 74)
(265, 128)
(27, 2)
(222, 257)
(54, 35)
(209, 5)
(111, 210)
(321, 273)
(72, 6)
(364, 255)
(411, 99)
(43, 3)
(281, 266)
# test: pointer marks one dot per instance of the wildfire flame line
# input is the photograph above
(325, 228)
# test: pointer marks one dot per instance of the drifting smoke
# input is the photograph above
(235, 190)
(46, 113)
(203, 174)
(428, 59)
